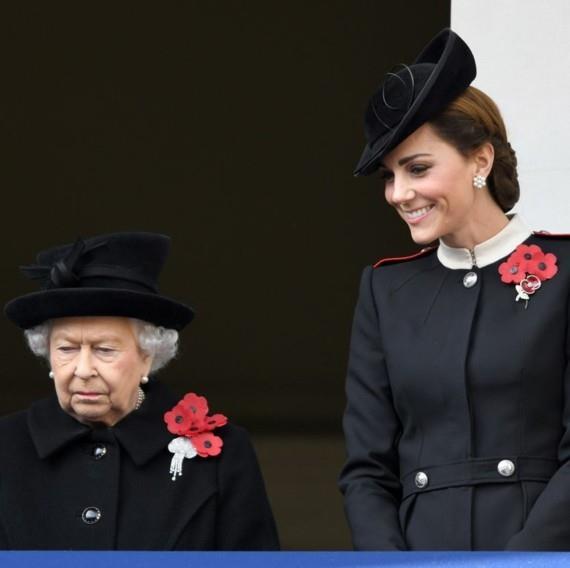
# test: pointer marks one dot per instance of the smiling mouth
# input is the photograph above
(417, 214)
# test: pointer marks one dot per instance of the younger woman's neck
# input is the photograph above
(478, 228)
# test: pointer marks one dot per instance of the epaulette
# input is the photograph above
(393, 260)
(550, 235)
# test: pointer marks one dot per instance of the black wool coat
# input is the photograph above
(57, 476)
(458, 416)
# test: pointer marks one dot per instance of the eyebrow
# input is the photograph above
(407, 159)
(62, 335)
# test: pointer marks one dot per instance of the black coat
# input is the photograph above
(450, 381)
(52, 470)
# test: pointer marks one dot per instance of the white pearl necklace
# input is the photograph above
(140, 398)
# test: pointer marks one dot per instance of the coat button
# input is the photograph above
(506, 468)
(99, 451)
(421, 480)
(91, 515)
(470, 279)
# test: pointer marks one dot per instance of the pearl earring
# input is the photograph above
(51, 375)
(144, 380)
(479, 181)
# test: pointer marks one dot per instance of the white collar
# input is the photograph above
(488, 252)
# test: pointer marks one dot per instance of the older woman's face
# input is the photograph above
(430, 184)
(97, 367)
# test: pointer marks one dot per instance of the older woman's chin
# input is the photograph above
(85, 413)
(95, 410)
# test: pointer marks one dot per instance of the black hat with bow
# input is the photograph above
(108, 275)
(412, 95)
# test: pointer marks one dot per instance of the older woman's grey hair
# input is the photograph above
(158, 342)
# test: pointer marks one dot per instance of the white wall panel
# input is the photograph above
(522, 49)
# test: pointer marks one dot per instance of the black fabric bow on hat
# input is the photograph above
(69, 270)
(63, 273)
(107, 275)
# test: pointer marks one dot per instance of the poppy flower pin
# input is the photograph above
(527, 268)
(190, 422)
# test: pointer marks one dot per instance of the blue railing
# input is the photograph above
(283, 560)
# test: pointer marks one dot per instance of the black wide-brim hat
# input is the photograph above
(415, 94)
(108, 275)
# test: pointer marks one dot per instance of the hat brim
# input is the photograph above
(454, 71)
(33, 309)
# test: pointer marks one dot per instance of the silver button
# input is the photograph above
(421, 479)
(99, 451)
(470, 279)
(90, 515)
(506, 468)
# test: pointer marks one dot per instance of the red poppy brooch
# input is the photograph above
(527, 268)
(189, 421)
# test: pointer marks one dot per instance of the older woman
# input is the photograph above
(113, 461)
(458, 417)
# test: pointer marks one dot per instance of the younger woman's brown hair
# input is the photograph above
(472, 120)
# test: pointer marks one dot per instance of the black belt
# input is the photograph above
(477, 471)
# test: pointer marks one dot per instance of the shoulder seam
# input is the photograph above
(548, 234)
(393, 260)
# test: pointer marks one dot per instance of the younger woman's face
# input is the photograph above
(430, 184)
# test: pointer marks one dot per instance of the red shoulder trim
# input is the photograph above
(394, 260)
(548, 234)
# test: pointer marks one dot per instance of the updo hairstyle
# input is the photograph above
(470, 121)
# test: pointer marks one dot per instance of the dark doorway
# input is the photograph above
(233, 126)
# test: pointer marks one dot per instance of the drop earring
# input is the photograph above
(479, 181)
(51, 375)
(144, 380)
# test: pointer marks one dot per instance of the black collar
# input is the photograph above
(142, 433)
